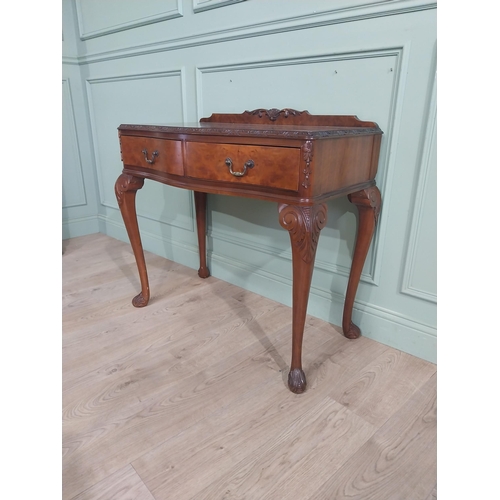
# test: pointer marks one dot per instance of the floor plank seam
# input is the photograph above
(142, 480)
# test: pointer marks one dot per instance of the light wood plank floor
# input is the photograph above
(187, 399)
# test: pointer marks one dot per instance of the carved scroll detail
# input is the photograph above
(307, 153)
(127, 182)
(273, 114)
(304, 225)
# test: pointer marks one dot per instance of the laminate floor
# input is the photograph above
(187, 397)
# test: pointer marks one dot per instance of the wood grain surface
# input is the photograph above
(163, 402)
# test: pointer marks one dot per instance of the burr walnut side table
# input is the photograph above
(291, 157)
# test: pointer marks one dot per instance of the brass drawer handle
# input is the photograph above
(248, 164)
(153, 156)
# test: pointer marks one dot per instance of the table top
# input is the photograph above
(305, 132)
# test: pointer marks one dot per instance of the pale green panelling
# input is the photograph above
(79, 208)
(201, 5)
(419, 277)
(351, 59)
(113, 17)
(73, 189)
(80, 227)
(130, 98)
(79, 194)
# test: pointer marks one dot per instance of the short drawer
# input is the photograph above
(270, 166)
(158, 154)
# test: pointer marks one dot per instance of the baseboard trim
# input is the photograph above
(383, 325)
(180, 252)
(80, 227)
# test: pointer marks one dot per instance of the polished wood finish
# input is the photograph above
(188, 406)
(274, 167)
(368, 202)
(126, 187)
(291, 157)
(200, 203)
(288, 116)
(138, 150)
(304, 225)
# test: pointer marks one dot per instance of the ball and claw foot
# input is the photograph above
(297, 381)
(140, 301)
(353, 333)
(203, 272)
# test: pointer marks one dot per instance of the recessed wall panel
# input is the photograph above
(420, 270)
(362, 84)
(142, 98)
(73, 190)
(422, 279)
(98, 18)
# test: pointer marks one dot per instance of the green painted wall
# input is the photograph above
(160, 61)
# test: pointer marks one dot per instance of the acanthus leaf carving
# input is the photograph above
(127, 182)
(304, 225)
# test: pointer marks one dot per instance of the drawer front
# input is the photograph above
(163, 155)
(276, 167)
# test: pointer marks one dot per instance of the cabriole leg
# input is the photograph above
(200, 203)
(368, 202)
(304, 225)
(126, 188)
